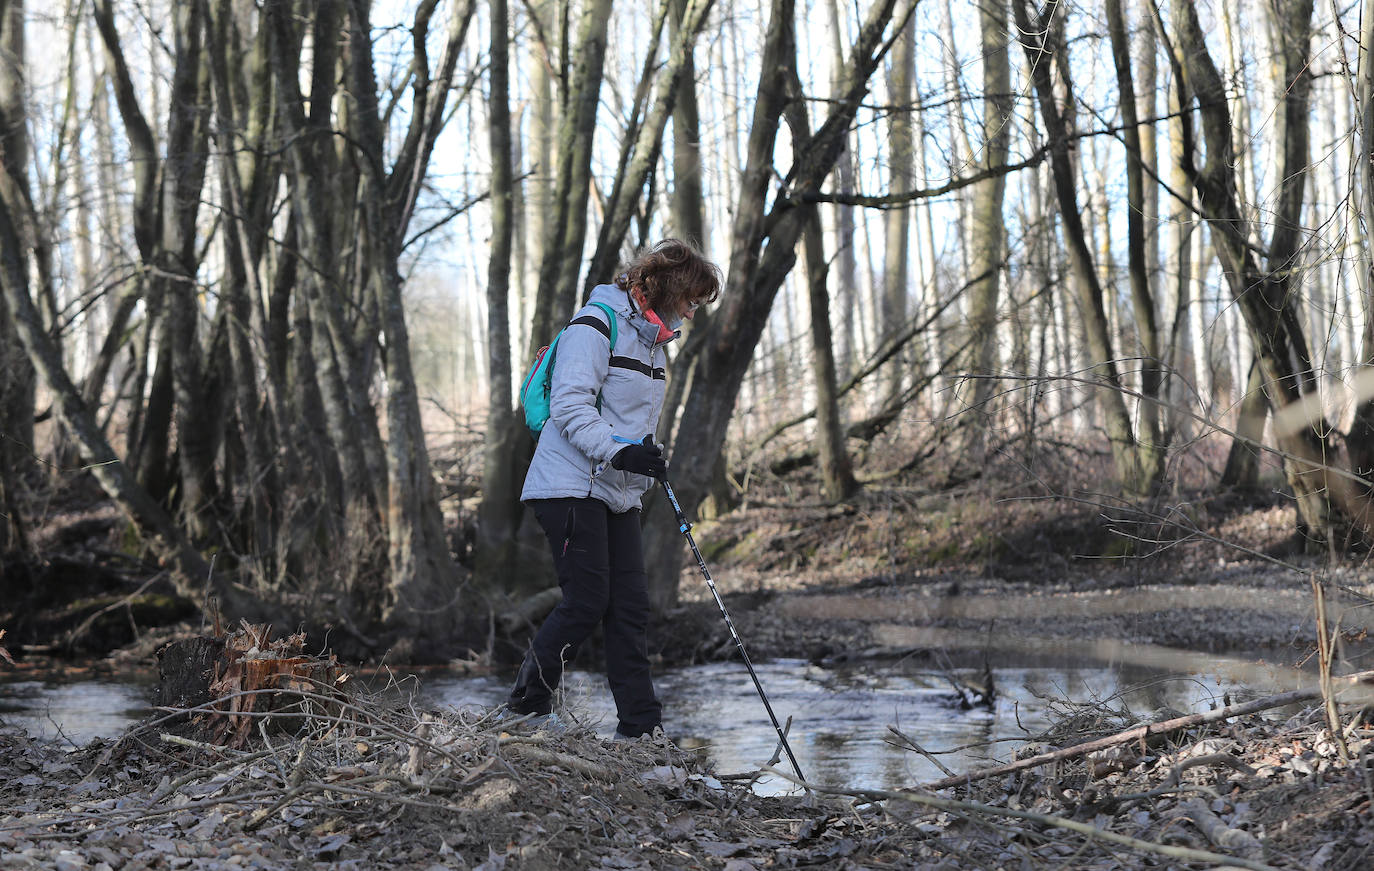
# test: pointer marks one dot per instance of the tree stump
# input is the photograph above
(185, 669)
(228, 682)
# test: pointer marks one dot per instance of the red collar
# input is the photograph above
(664, 334)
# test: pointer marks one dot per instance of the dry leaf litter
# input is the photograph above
(290, 769)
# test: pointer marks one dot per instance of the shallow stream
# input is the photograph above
(840, 716)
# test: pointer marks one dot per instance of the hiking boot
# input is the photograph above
(549, 722)
(655, 734)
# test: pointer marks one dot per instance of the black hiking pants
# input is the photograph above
(599, 557)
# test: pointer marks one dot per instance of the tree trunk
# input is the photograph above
(243, 295)
(837, 471)
(897, 220)
(1326, 503)
(17, 379)
(422, 589)
(1152, 446)
(561, 263)
(189, 572)
(1242, 461)
(757, 271)
(960, 145)
(317, 191)
(688, 205)
(1043, 41)
(147, 432)
(707, 412)
(640, 152)
(499, 514)
(539, 221)
(846, 272)
(933, 349)
(987, 230)
(198, 420)
(1361, 437)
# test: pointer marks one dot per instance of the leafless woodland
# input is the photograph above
(261, 259)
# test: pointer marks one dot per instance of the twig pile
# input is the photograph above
(368, 781)
(1191, 791)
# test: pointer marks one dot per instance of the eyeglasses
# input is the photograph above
(693, 305)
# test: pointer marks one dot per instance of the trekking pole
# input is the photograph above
(686, 529)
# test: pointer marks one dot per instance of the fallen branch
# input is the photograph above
(1221, 835)
(910, 744)
(530, 610)
(86, 624)
(1140, 733)
(181, 741)
(1187, 854)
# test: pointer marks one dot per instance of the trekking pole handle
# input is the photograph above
(683, 525)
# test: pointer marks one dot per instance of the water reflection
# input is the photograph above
(73, 712)
(840, 718)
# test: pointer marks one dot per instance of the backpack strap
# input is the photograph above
(610, 317)
(535, 389)
(607, 329)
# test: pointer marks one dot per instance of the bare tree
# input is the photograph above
(1362, 429)
(1152, 446)
(756, 270)
(1043, 40)
(561, 261)
(837, 470)
(892, 303)
(17, 381)
(987, 229)
(19, 229)
(1327, 501)
(688, 202)
(500, 508)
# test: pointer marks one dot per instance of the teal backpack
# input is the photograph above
(538, 383)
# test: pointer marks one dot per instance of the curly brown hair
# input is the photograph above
(672, 274)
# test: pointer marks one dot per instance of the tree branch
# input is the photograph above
(1140, 733)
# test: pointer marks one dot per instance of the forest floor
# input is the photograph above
(336, 780)
(961, 573)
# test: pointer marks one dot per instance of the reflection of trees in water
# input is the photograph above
(839, 719)
(846, 723)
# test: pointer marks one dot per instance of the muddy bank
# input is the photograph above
(1268, 616)
(900, 572)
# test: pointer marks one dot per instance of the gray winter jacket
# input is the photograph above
(573, 456)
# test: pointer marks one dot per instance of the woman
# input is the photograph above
(595, 457)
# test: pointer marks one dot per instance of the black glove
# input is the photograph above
(642, 459)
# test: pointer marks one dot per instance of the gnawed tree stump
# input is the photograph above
(227, 682)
